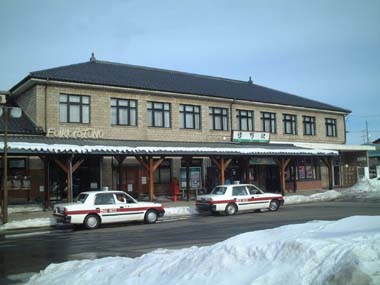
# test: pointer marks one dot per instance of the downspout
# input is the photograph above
(233, 101)
(46, 85)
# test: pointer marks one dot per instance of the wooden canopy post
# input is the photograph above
(282, 163)
(188, 163)
(68, 167)
(328, 163)
(295, 176)
(222, 166)
(46, 162)
(120, 159)
(151, 166)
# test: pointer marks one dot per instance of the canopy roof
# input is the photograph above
(46, 145)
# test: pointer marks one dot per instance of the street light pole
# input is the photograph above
(5, 168)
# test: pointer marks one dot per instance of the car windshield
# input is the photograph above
(81, 198)
(219, 190)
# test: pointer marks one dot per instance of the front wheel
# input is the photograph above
(231, 209)
(274, 205)
(151, 217)
(92, 222)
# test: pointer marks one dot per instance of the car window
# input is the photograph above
(120, 198)
(219, 190)
(104, 199)
(239, 191)
(81, 198)
(253, 190)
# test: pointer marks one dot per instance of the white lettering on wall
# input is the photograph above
(88, 133)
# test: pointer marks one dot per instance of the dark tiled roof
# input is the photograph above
(35, 145)
(22, 125)
(125, 75)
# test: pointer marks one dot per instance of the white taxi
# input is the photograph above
(94, 208)
(240, 197)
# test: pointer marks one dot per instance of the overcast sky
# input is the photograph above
(323, 50)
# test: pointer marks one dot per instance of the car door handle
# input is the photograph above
(97, 208)
(121, 207)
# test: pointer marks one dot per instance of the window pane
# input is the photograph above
(74, 113)
(158, 119)
(85, 100)
(189, 121)
(113, 116)
(74, 99)
(132, 103)
(167, 120)
(133, 117)
(150, 105)
(86, 114)
(150, 119)
(113, 102)
(181, 108)
(123, 103)
(63, 113)
(196, 109)
(165, 175)
(189, 108)
(166, 106)
(123, 116)
(218, 123)
(250, 128)
(157, 105)
(197, 122)
(63, 98)
(182, 121)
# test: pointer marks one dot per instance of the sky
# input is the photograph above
(325, 50)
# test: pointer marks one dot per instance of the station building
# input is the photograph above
(100, 124)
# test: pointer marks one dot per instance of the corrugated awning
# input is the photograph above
(46, 145)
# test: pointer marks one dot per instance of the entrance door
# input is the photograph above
(337, 175)
(132, 187)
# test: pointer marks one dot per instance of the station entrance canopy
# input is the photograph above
(30, 145)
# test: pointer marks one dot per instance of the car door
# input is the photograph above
(128, 208)
(256, 197)
(241, 197)
(106, 205)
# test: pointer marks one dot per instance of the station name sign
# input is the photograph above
(87, 133)
(239, 136)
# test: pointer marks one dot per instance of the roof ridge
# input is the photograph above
(171, 71)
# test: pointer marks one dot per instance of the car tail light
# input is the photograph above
(65, 212)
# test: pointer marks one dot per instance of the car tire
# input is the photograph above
(274, 205)
(231, 209)
(151, 217)
(92, 222)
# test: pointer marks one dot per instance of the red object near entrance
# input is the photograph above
(175, 189)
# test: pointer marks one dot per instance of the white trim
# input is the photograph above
(342, 147)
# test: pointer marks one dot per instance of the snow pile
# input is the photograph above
(320, 252)
(24, 208)
(180, 211)
(319, 197)
(29, 223)
(364, 186)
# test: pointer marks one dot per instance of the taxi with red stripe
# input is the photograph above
(94, 208)
(231, 199)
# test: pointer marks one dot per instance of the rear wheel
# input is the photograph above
(231, 209)
(92, 222)
(274, 205)
(151, 217)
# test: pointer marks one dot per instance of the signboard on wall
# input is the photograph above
(240, 136)
(195, 178)
(87, 133)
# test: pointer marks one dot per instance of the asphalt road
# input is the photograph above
(31, 251)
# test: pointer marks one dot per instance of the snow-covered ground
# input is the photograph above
(363, 190)
(346, 252)
(24, 208)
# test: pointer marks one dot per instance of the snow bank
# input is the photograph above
(364, 186)
(320, 252)
(29, 223)
(24, 208)
(319, 197)
(179, 211)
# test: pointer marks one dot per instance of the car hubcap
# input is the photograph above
(273, 205)
(152, 217)
(231, 210)
(92, 222)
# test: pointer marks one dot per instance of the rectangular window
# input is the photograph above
(331, 127)
(189, 117)
(74, 109)
(219, 119)
(308, 126)
(290, 124)
(159, 114)
(124, 112)
(163, 174)
(268, 121)
(244, 120)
